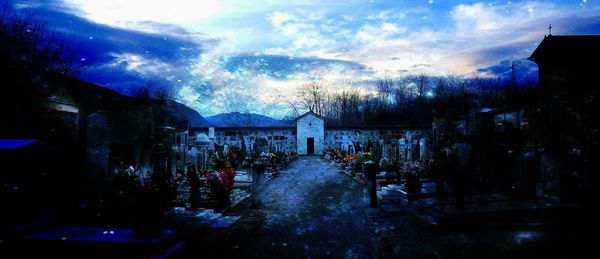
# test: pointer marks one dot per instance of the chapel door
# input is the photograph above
(310, 146)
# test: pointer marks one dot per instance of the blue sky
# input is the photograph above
(249, 56)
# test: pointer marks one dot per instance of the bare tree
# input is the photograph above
(441, 87)
(294, 106)
(421, 80)
(385, 88)
(401, 91)
(313, 96)
(348, 105)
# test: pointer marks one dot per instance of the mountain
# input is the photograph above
(236, 119)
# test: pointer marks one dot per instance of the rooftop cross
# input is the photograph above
(550, 30)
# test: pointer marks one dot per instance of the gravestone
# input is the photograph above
(258, 180)
(370, 169)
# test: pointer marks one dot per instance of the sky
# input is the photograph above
(250, 55)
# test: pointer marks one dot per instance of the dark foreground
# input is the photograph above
(312, 211)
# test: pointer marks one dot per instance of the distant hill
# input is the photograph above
(237, 119)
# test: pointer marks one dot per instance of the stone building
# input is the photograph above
(311, 134)
(569, 89)
(563, 123)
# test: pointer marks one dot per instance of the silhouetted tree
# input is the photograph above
(28, 39)
(412, 99)
(312, 96)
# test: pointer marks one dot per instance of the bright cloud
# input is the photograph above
(122, 13)
(279, 18)
(140, 64)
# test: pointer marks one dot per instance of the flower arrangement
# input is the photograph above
(227, 176)
(212, 180)
(277, 158)
(415, 170)
(265, 158)
(348, 158)
(329, 154)
(336, 154)
(359, 159)
(362, 157)
(221, 181)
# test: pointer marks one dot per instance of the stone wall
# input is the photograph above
(395, 143)
(278, 139)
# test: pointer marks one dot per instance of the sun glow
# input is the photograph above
(122, 13)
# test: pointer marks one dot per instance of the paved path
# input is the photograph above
(312, 210)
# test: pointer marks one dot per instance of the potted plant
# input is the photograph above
(412, 175)
(359, 159)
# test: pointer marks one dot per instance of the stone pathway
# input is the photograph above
(312, 210)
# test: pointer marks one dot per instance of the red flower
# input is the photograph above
(227, 178)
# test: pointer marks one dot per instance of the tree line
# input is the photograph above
(409, 100)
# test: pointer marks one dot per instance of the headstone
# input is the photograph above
(258, 179)
(211, 132)
(370, 169)
(424, 152)
(401, 156)
(387, 149)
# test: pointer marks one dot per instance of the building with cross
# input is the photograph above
(311, 134)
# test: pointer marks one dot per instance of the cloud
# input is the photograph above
(473, 36)
(305, 29)
(139, 63)
(379, 34)
(525, 70)
(279, 18)
(492, 33)
(259, 83)
(491, 21)
(240, 55)
(122, 13)
(381, 15)
(125, 59)
(172, 31)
